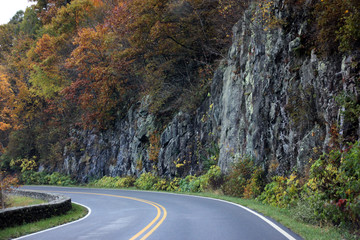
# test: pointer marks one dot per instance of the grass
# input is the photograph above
(75, 213)
(18, 201)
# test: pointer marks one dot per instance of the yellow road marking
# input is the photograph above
(156, 205)
(157, 225)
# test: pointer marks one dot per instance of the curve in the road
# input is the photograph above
(142, 213)
(161, 210)
(288, 236)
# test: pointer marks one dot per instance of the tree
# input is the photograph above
(7, 183)
(6, 93)
(103, 76)
(46, 77)
(7, 33)
(30, 23)
(47, 9)
(17, 18)
(175, 41)
(337, 25)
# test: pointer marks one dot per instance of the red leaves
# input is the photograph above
(341, 203)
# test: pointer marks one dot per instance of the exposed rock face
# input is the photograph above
(269, 99)
(119, 151)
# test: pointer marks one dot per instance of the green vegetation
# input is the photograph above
(42, 178)
(338, 25)
(323, 205)
(75, 213)
(81, 64)
(18, 201)
(245, 179)
(113, 182)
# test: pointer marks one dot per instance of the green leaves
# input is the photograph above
(338, 25)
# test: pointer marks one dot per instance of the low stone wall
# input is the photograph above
(56, 205)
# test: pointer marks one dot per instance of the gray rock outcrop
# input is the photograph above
(271, 99)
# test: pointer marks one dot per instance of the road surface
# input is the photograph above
(126, 214)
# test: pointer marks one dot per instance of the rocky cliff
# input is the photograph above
(272, 98)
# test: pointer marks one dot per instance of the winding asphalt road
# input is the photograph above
(126, 214)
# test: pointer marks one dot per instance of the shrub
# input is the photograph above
(32, 177)
(114, 182)
(187, 184)
(146, 181)
(154, 147)
(244, 180)
(213, 179)
(173, 185)
(282, 191)
(308, 209)
(42, 178)
(255, 185)
(161, 185)
(106, 181)
(336, 177)
(59, 179)
(125, 182)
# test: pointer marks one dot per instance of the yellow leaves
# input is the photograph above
(265, 15)
(4, 126)
(4, 83)
(6, 94)
(312, 184)
(28, 164)
(292, 177)
(348, 192)
(179, 163)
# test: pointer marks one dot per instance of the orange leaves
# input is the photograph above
(5, 90)
(6, 94)
(45, 47)
(4, 126)
(97, 3)
(102, 74)
(96, 53)
(90, 56)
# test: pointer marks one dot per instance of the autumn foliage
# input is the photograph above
(82, 63)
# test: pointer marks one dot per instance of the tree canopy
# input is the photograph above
(83, 63)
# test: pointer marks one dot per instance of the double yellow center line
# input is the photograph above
(151, 227)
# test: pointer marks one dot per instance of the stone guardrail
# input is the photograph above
(56, 205)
